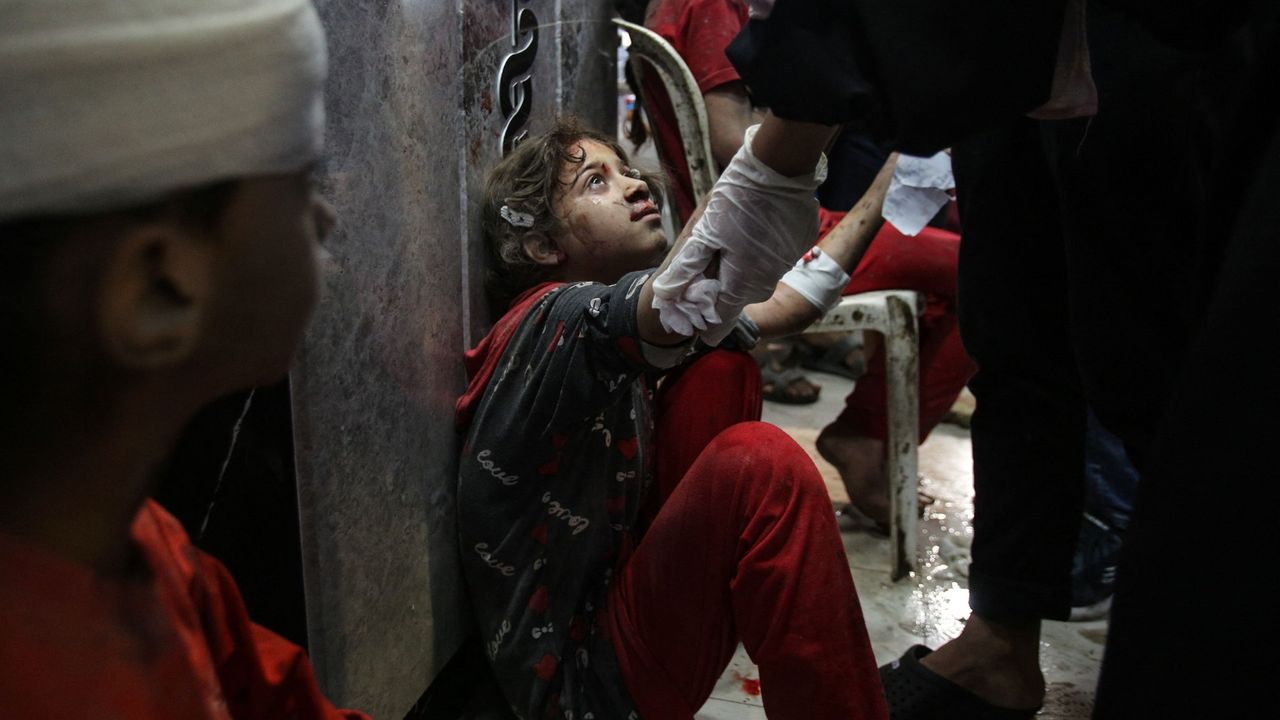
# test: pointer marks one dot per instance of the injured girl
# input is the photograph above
(624, 519)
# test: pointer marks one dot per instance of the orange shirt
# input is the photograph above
(174, 641)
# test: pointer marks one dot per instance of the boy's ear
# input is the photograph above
(155, 290)
(543, 250)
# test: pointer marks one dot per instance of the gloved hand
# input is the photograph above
(759, 222)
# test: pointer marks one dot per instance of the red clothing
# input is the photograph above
(926, 263)
(699, 30)
(744, 549)
(481, 360)
(173, 641)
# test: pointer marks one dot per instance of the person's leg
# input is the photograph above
(745, 548)
(854, 441)
(1193, 608)
(1028, 427)
(945, 368)
(695, 404)
(1132, 186)
(1204, 594)
(1111, 482)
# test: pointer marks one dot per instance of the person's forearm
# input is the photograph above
(789, 312)
(849, 239)
(729, 114)
(789, 147)
(780, 148)
(786, 313)
(778, 136)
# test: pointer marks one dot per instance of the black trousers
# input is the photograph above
(1193, 627)
(1083, 272)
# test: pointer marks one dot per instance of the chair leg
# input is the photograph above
(902, 371)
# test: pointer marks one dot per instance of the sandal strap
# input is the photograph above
(784, 377)
(915, 692)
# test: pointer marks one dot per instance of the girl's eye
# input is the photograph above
(595, 181)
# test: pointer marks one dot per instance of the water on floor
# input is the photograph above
(930, 606)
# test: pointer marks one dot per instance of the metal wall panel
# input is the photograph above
(569, 48)
(414, 123)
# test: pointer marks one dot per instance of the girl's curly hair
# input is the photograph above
(528, 181)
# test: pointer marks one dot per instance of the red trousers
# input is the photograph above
(925, 263)
(744, 548)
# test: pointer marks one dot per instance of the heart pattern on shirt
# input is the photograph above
(539, 533)
(546, 667)
(629, 447)
(538, 602)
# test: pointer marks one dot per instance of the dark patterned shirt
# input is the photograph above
(552, 470)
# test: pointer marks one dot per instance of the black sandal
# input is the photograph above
(833, 358)
(777, 382)
(914, 692)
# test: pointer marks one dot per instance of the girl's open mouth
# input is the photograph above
(643, 210)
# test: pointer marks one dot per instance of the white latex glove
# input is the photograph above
(917, 191)
(818, 279)
(760, 222)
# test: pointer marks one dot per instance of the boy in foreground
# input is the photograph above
(157, 250)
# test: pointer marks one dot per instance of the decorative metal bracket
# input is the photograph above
(515, 80)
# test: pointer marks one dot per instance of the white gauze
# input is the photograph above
(817, 278)
(108, 104)
(759, 222)
(917, 191)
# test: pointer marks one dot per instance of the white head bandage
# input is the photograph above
(108, 104)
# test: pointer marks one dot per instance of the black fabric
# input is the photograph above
(1081, 275)
(926, 73)
(1028, 426)
(550, 479)
(251, 504)
(1192, 610)
(803, 63)
(914, 692)
(853, 162)
(1188, 24)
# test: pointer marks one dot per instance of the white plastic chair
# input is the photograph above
(892, 313)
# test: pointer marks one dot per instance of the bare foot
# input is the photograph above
(860, 462)
(998, 661)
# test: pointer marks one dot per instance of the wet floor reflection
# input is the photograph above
(930, 606)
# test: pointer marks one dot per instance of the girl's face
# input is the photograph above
(613, 225)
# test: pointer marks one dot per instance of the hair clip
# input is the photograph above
(516, 218)
(634, 174)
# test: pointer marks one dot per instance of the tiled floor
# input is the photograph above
(931, 606)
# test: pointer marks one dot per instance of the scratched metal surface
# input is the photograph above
(565, 66)
(413, 124)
